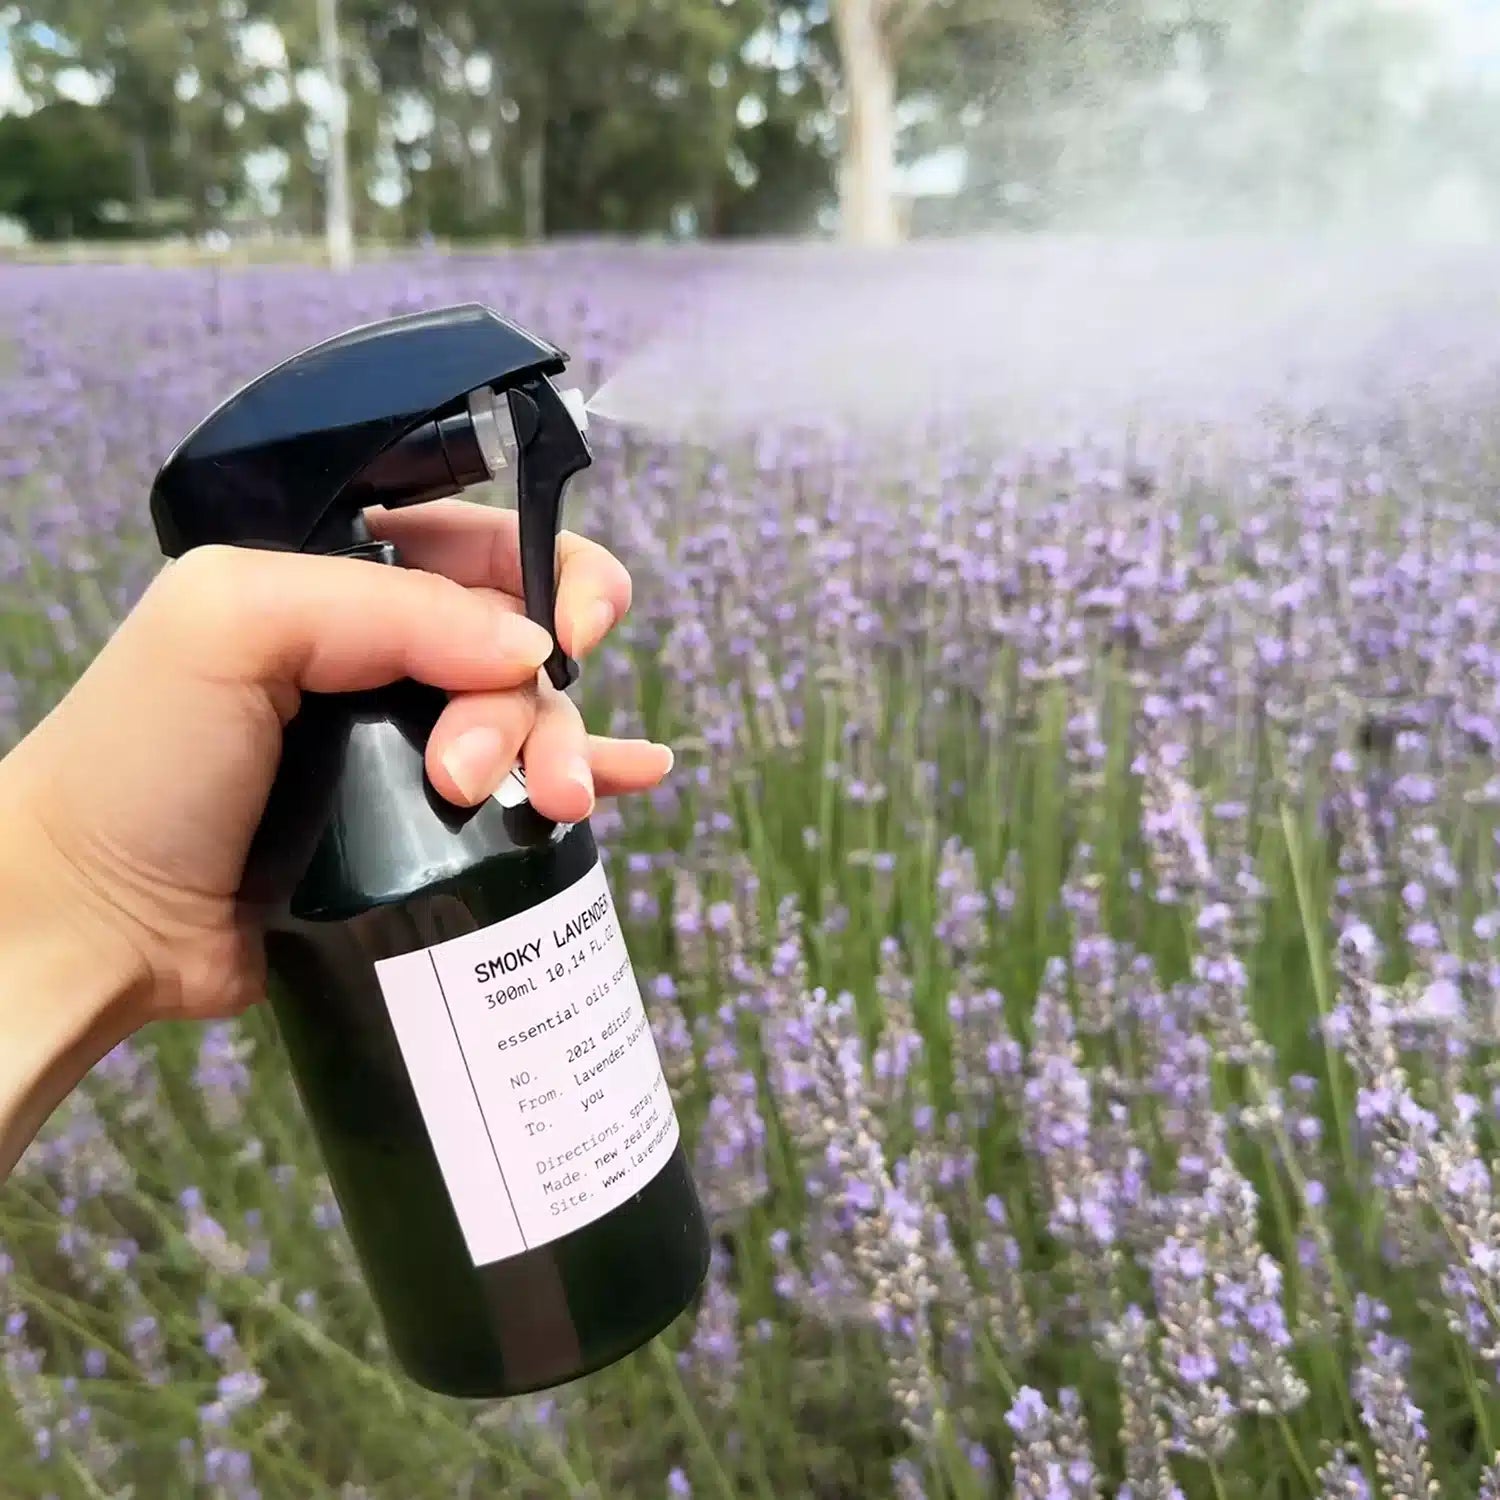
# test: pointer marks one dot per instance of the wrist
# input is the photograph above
(71, 985)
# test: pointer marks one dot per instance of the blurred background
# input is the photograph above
(253, 123)
(1071, 929)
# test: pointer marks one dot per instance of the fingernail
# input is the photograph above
(671, 758)
(594, 622)
(520, 637)
(577, 770)
(477, 761)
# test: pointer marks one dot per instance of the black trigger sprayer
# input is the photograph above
(451, 984)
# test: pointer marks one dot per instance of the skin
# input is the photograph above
(127, 814)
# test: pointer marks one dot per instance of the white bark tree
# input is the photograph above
(870, 34)
(337, 208)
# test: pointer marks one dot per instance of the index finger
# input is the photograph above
(329, 625)
(479, 547)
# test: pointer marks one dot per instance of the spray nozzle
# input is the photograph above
(415, 408)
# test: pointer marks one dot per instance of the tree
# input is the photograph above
(782, 172)
(62, 171)
(175, 78)
(869, 34)
(337, 211)
(537, 117)
(895, 53)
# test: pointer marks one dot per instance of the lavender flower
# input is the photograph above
(898, 1057)
(987, 1060)
(1144, 1433)
(1341, 1478)
(1172, 823)
(22, 1363)
(906, 1481)
(222, 1075)
(731, 1155)
(1393, 1420)
(674, 1038)
(885, 1279)
(713, 1353)
(1001, 1280)
(1096, 961)
(1058, 1128)
(1196, 1400)
(1225, 1331)
(962, 906)
(904, 687)
(1052, 1459)
(1489, 1481)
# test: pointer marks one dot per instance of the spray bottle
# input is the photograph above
(451, 984)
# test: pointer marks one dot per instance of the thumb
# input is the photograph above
(291, 621)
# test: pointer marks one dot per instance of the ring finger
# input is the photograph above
(477, 741)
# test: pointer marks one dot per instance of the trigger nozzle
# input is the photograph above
(490, 432)
(550, 449)
(572, 398)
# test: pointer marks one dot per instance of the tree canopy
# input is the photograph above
(533, 117)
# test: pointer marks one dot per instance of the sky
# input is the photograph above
(81, 87)
(1472, 33)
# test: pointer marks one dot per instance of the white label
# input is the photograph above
(512, 791)
(535, 1069)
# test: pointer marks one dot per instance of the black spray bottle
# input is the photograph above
(451, 984)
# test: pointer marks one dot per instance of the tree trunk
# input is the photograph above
(337, 215)
(867, 189)
(534, 179)
(489, 186)
(140, 172)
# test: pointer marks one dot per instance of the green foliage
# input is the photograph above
(604, 115)
(491, 116)
(529, 117)
(61, 171)
(180, 88)
(792, 178)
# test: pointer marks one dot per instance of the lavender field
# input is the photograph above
(1072, 931)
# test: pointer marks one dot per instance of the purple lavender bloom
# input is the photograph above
(1394, 1421)
(713, 1353)
(1051, 1458)
(1489, 1481)
(731, 1155)
(906, 1480)
(222, 1075)
(1341, 1478)
(922, 693)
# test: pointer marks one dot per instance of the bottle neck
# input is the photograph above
(364, 547)
(315, 764)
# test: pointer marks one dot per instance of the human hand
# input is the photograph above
(130, 810)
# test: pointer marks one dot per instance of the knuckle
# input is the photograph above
(203, 587)
(518, 709)
(433, 592)
(203, 567)
(560, 713)
(598, 563)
